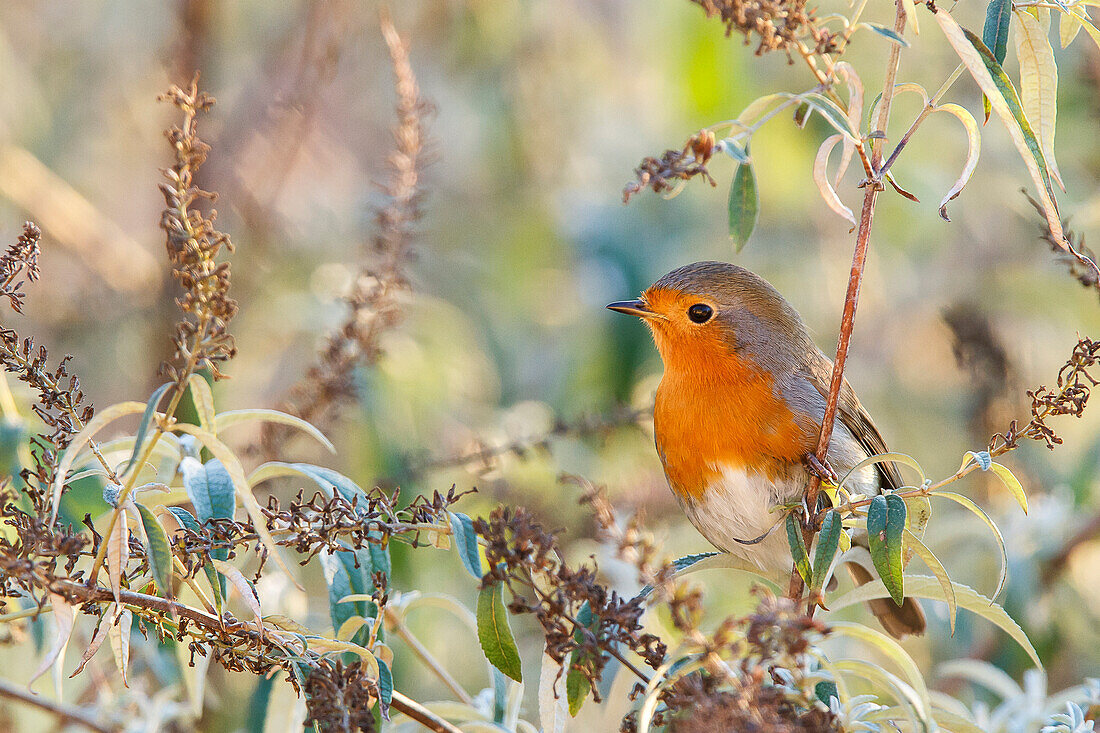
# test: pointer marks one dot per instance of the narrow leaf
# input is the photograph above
(118, 551)
(833, 114)
(236, 472)
(577, 685)
(886, 32)
(893, 650)
(385, 688)
(1082, 14)
(146, 419)
(885, 458)
(203, 398)
(911, 15)
(821, 178)
(1069, 26)
(552, 706)
(494, 633)
(924, 586)
(989, 75)
(465, 543)
(244, 588)
(98, 638)
(980, 513)
(234, 417)
(995, 33)
(186, 519)
(798, 548)
(744, 205)
(157, 550)
(828, 542)
(81, 439)
(846, 71)
(1038, 84)
(917, 546)
(885, 523)
(974, 149)
(329, 481)
(64, 616)
(918, 512)
(1011, 483)
(119, 633)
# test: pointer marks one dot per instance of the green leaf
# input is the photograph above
(494, 633)
(577, 685)
(925, 586)
(210, 489)
(465, 543)
(203, 398)
(995, 33)
(885, 523)
(912, 542)
(886, 32)
(980, 513)
(995, 84)
(157, 550)
(233, 417)
(833, 114)
(744, 205)
(385, 687)
(146, 418)
(328, 481)
(186, 519)
(798, 548)
(885, 458)
(828, 542)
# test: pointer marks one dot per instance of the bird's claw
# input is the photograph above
(821, 469)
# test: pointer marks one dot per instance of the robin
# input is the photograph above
(739, 410)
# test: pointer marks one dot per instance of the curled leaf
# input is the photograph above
(234, 417)
(119, 633)
(821, 178)
(974, 149)
(980, 513)
(914, 544)
(845, 71)
(64, 616)
(118, 551)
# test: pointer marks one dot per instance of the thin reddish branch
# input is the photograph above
(851, 299)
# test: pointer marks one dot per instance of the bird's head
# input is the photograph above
(709, 311)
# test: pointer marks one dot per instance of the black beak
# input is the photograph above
(632, 308)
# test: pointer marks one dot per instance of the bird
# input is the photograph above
(738, 413)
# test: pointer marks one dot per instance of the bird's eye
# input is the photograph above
(700, 312)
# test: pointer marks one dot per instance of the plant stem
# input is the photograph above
(66, 713)
(426, 657)
(851, 300)
(421, 714)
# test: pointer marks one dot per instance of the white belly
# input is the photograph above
(738, 506)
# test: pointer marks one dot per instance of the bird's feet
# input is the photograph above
(821, 469)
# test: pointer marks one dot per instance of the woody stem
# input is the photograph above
(859, 260)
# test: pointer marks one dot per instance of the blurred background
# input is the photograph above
(543, 109)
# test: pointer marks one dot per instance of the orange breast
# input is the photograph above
(718, 410)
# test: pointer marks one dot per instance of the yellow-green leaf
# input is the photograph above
(495, 634)
(102, 419)
(1011, 483)
(980, 513)
(1069, 26)
(203, 398)
(990, 77)
(1038, 82)
(797, 545)
(925, 586)
(974, 149)
(913, 543)
(234, 417)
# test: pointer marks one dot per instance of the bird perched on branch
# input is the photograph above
(739, 411)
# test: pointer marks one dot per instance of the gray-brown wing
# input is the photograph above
(819, 370)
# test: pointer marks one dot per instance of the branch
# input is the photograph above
(66, 713)
(421, 714)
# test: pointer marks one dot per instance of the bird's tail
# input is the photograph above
(899, 621)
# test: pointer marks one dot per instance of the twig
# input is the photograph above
(851, 300)
(426, 657)
(67, 713)
(421, 714)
